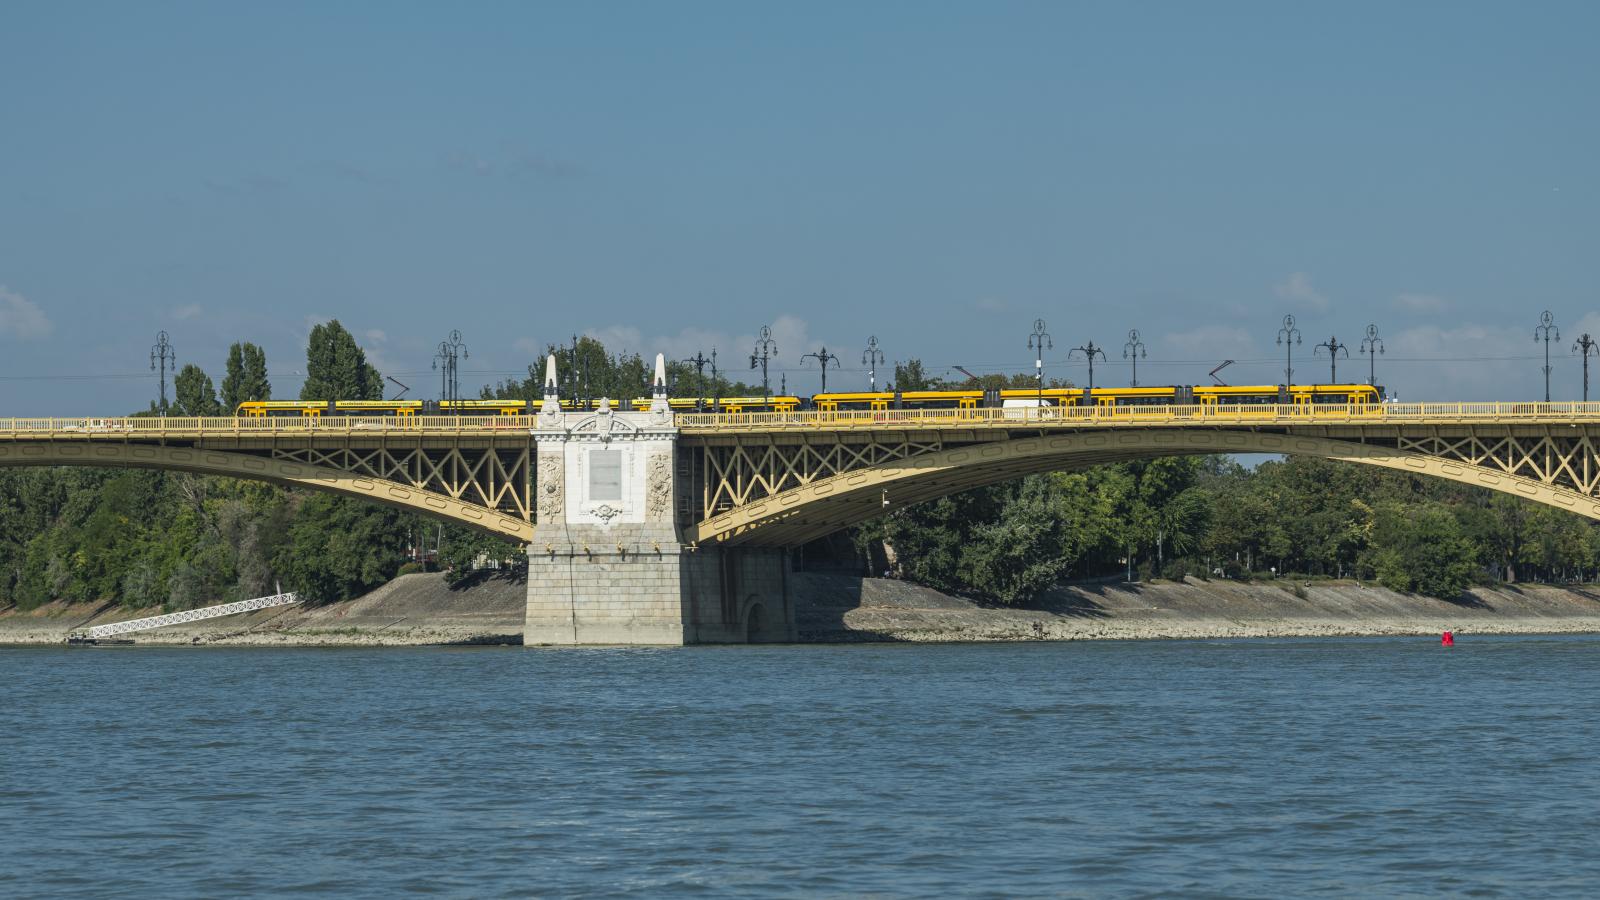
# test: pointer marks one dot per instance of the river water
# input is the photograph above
(1237, 768)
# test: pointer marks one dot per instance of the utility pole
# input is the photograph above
(1586, 345)
(1372, 345)
(698, 360)
(872, 359)
(1333, 347)
(1089, 351)
(1133, 349)
(765, 349)
(163, 356)
(446, 360)
(1039, 342)
(1288, 336)
(823, 357)
(1546, 330)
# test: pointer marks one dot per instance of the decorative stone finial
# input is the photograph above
(550, 412)
(658, 401)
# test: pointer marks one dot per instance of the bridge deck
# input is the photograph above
(504, 430)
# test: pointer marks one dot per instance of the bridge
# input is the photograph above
(655, 527)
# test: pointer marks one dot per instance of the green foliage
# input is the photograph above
(337, 368)
(1421, 549)
(194, 394)
(462, 547)
(1298, 516)
(340, 548)
(591, 371)
(246, 377)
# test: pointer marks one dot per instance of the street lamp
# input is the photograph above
(163, 355)
(1546, 331)
(1039, 342)
(449, 352)
(872, 359)
(1372, 345)
(1133, 349)
(1288, 336)
(1586, 345)
(1089, 353)
(765, 349)
(823, 357)
(1334, 348)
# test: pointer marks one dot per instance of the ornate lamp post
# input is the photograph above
(765, 349)
(824, 358)
(1546, 331)
(1587, 346)
(1372, 345)
(1288, 336)
(1132, 350)
(445, 361)
(1334, 348)
(165, 357)
(1039, 342)
(1089, 352)
(872, 359)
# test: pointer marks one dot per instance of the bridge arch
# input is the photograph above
(261, 468)
(830, 504)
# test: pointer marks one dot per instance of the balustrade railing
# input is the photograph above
(146, 427)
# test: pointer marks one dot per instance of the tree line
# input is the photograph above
(153, 537)
(143, 538)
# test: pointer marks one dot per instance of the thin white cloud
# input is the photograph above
(377, 335)
(1206, 341)
(1297, 289)
(21, 318)
(992, 305)
(1471, 362)
(1421, 303)
(187, 311)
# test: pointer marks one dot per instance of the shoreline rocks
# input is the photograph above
(420, 609)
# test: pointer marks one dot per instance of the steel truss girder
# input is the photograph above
(733, 473)
(494, 478)
(1561, 470)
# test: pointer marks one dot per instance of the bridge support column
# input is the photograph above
(606, 565)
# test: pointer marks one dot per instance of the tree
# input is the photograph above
(194, 393)
(1016, 557)
(1421, 549)
(337, 367)
(247, 376)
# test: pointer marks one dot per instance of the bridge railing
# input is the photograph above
(147, 427)
(190, 426)
(1220, 414)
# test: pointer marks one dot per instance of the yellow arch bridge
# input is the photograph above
(780, 479)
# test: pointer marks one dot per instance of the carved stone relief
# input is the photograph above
(552, 502)
(658, 487)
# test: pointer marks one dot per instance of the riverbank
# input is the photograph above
(422, 610)
(836, 608)
(411, 610)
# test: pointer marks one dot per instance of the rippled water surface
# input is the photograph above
(1249, 768)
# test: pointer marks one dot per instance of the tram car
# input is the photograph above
(1300, 395)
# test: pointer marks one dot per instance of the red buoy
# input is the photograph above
(1447, 640)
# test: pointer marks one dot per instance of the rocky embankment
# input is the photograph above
(835, 608)
(421, 609)
(410, 610)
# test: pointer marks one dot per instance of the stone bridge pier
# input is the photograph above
(607, 565)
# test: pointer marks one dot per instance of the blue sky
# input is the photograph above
(670, 176)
